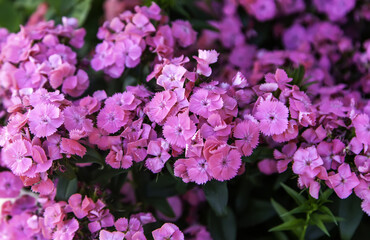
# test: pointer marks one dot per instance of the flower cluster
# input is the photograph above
(200, 116)
(127, 36)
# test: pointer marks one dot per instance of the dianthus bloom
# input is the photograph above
(179, 129)
(206, 57)
(111, 118)
(204, 102)
(161, 104)
(17, 156)
(307, 161)
(10, 185)
(168, 231)
(344, 181)
(224, 164)
(183, 33)
(273, 117)
(44, 120)
(247, 134)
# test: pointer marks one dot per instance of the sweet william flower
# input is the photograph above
(204, 102)
(204, 59)
(344, 181)
(224, 164)
(168, 231)
(179, 129)
(111, 118)
(183, 32)
(10, 185)
(273, 117)
(45, 119)
(160, 105)
(105, 235)
(247, 135)
(17, 156)
(197, 169)
(307, 161)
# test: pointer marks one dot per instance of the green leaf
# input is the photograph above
(290, 225)
(325, 195)
(222, 227)
(66, 188)
(299, 199)
(286, 218)
(327, 211)
(104, 176)
(10, 18)
(162, 205)
(350, 211)
(258, 211)
(315, 218)
(300, 209)
(81, 10)
(217, 196)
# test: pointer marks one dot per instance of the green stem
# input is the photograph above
(303, 234)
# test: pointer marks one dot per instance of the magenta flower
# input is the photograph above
(172, 77)
(179, 129)
(183, 32)
(66, 230)
(75, 118)
(204, 102)
(224, 165)
(168, 231)
(45, 119)
(80, 207)
(362, 127)
(344, 181)
(17, 156)
(204, 59)
(215, 126)
(53, 215)
(157, 149)
(76, 85)
(307, 161)
(105, 235)
(197, 169)
(111, 118)
(273, 117)
(10, 185)
(161, 104)
(247, 135)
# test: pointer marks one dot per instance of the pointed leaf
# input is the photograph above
(299, 199)
(350, 211)
(318, 222)
(65, 188)
(222, 227)
(291, 225)
(300, 209)
(217, 195)
(326, 210)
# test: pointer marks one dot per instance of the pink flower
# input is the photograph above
(362, 127)
(216, 126)
(224, 165)
(10, 185)
(105, 235)
(157, 149)
(179, 129)
(53, 215)
(273, 117)
(66, 230)
(331, 151)
(125, 100)
(183, 33)
(198, 170)
(80, 207)
(204, 59)
(111, 118)
(168, 231)
(307, 161)
(17, 156)
(72, 147)
(76, 85)
(99, 217)
(290, 133)
(75, 118)
(180, 170)
(137, 149)
(267, 166)
(344, 181)
(172, 77)
(247, 134)
(204, 102)
(116, 158)
(44, 120)
(161, 104)
(365, 205)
